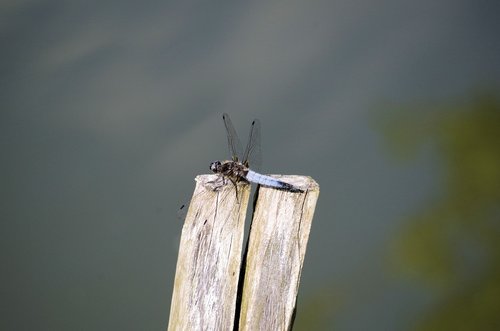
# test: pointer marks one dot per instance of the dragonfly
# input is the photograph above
(238, 169)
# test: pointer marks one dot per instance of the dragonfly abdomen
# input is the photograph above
(257, 178)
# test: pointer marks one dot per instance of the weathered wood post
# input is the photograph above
(209, 262)
(208, 265)
(275, 256)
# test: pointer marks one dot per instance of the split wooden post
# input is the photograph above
(209, 262)
(208, 265)
(275, 255)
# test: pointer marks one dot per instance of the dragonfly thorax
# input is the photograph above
(232, 169)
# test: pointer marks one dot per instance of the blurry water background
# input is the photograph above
(109, 109)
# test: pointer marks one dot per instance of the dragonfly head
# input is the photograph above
(216, 166)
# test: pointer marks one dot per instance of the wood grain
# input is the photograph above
(208, 265)
(277, 245)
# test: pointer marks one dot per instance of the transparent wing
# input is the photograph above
(253, 155)
(233, 141)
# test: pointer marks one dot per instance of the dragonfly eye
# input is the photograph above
(215, 166)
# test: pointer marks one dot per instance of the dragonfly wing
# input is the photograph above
(253, 154)
(232, 138)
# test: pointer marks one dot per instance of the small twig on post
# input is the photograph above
(208, 265)
(277, 245)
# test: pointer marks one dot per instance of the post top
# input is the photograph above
(305, 183)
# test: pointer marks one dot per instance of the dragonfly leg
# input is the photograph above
(216, 184)
(235, 188)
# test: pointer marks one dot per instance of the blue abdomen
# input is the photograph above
(257, 178)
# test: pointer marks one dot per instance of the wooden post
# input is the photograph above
(208, 265)
(275, 255)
